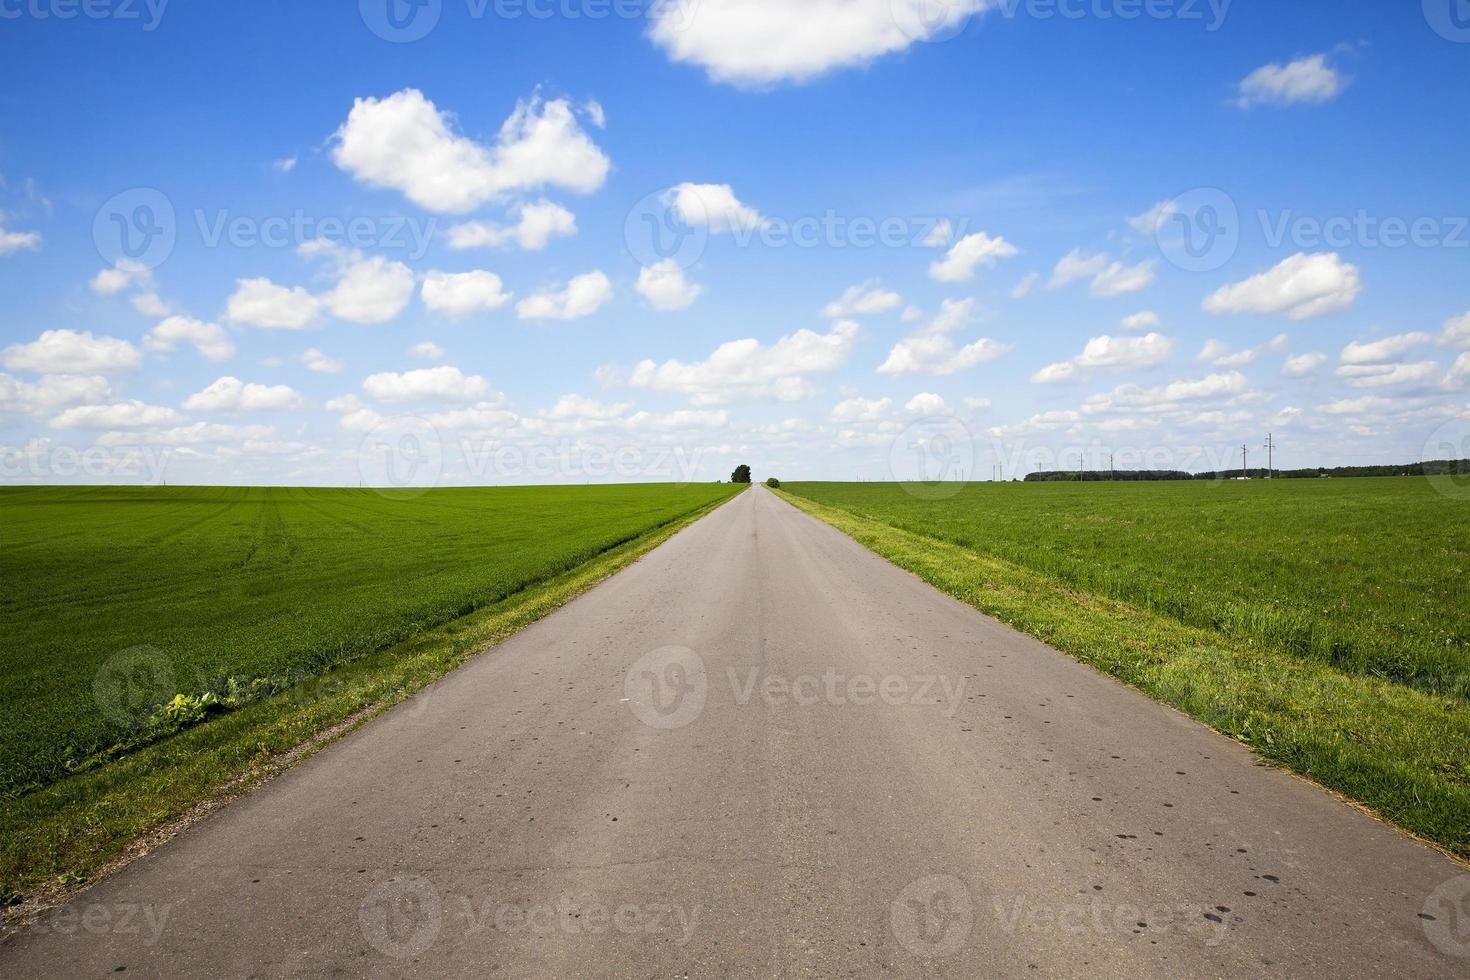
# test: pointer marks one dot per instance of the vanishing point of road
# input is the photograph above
(764, 751)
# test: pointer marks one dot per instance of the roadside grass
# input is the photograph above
(60, 837)
(1401, 752)
(132, 612)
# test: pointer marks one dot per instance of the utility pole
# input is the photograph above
(1244, 473)
(1079, 467)
(1270, 455)
(1112, 470)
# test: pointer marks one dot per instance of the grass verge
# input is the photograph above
(1402, 753)
(57, 839)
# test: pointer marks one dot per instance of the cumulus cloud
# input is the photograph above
(1305, 80)
(932, 351)
(209, 339)
(538, 223)
(863, 300)
(664, 286)
(582, 296)
(925, 403)
(262, 303)
(426, 350)
(1385, 349)
(1133, 397)
(861, 410)
(230, 394)
(445, 383)
(370, 289)
(120, 415)
(1026, 285)
(461, 294)
(1140, 321)
(972, 252)
(1109, 354)
(72, 352)
(756, 43)
(1389, 375)
(1301, 287)
(1456, 332)
(743, 370)
(49, 392)
(316, 361)
(16, 241)
(1109, 277)
(712, 206)
(406, 143)
(1301, 365)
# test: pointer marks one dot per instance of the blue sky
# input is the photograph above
(1033, 167)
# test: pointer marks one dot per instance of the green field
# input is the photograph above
(1325, 623)
(1371, 576)
(117, 599)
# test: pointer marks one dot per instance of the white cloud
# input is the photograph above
(1387, 375)
(1386, 349)
(209, 339)
(261, 303)
(748, 370)
(664, 286)
(861, 410)
(426, 350)
(582, 296)
(370, 290)
(760, 42)
(1140, 321)
(406, 143)
(931, 351)
(925, 403)
(132, 276)
(315, 360)
(1132, 397)
(15, 241)
(968, 254)
(1301, 365)
(713, 206)
(940, 235)
(233, 395)
(284, 165)
(1109, 354)
(1309, 79)
(1118, 278)
(461, 294)
(72, 352)
(122, 415)
(977, 404)
(48, 392)
(538, 222)
(1024, 287)
(1109, 277)
(1154, 218)
(863, 300)
(582, 407)
(427, 384)
(189, 435)
(1301, 287)
(1459, 373)
(1456, 332)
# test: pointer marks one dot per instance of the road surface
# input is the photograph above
(764, 751)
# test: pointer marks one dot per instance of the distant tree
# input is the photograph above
(741, 474)
(773, 483)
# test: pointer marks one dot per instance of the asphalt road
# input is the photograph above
(764, 751)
